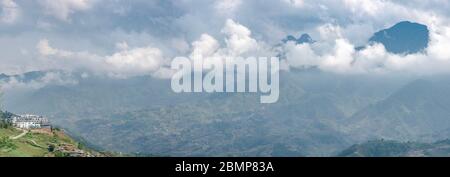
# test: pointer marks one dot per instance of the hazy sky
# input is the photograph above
(136, 37)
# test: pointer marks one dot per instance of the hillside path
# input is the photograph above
(20, 136)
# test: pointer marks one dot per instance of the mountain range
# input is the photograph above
(318, 113)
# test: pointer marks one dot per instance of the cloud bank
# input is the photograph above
(130, 38)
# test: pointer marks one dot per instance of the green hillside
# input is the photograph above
(15, 142)
(33, 144)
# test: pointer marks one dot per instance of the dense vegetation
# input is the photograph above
(7, 144)
(3, 122)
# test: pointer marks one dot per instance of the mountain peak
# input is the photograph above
(403, 38)
(304, 38)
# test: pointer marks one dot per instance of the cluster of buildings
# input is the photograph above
(29, 121)
(72, 151)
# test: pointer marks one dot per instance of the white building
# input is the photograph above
(29, 121)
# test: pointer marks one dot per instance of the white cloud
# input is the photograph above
(439, 43)
(55, 78)
(238, 42)
(239, 38)
(62, 9)
(371, 7)
(370, 59)
(301, 55)
(124, 63)
(137, 61)
(329, 32)
(10, 11)
(198, 28)
(45, 49)
(341, 58)
(339, 55)
(205, 46)
(295, 3)
(227, 6)
(133, 61)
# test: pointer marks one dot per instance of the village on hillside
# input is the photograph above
(29, 123)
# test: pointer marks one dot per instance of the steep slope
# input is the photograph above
(17, 143)
(235, 127)
(419, 108)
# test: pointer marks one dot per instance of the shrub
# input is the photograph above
(6, 143)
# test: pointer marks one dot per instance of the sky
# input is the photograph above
(125, 38)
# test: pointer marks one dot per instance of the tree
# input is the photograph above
(61, 154)
(4, 115)
(1, 101)
(51, 148)
(4, 124)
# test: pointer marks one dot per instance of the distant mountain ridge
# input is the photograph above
(389, 148)
(403, 38)
(420, 107)
(25, 77)
(128, 115)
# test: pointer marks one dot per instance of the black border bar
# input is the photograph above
(166, 166)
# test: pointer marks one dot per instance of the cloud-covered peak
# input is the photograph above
(90, 29)
(403, 38)
(304, 38)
